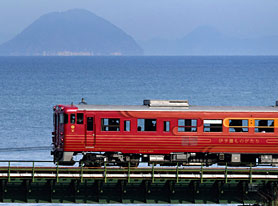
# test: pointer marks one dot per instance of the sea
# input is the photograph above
(31, 86)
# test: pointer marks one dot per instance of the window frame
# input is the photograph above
(77, 118)
(102, 125)
(204, 127)
(184, 126)
(87, 125)
(239, 127)
(72, 115)
(165, 126)
(66, 118)
(144, 122)
(264, 127)
(124, 126)
(61, 118)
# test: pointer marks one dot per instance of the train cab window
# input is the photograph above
(264, 126)
(90, 123)
(54, 119)
(127, 125)
(187, 125)
(212, 125)
(110, 124)
(61, 118)
(166, 127)
(72, 118)
(238, 125)
(80, 117)
(66, 118)
(58, 120)
(146, 125)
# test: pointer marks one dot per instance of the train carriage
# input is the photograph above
(165, 132)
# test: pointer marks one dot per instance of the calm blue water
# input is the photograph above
(30, 86)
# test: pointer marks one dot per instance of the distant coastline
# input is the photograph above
(79, 32)
(66, 53)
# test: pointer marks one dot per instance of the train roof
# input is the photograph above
(169, 105)
(184, 109)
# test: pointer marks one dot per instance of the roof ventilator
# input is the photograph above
(166, 103)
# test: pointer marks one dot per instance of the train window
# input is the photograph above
(90, 123)
(80, 118)
(72, 118)
(212, 125)
(61, 118)
(110, 124)
(238, 125)
(265, 126)
(127, 125)
(146, 125)
(54, 119)
(187, 125)
(57, 121)
(166, 126)
(66, 118)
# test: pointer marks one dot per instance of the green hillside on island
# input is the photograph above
(71, 33)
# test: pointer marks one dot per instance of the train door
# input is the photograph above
(90, 136)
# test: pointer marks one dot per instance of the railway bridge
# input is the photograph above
(152, 184)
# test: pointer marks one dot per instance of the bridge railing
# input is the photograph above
(176, 184)
(152, 172)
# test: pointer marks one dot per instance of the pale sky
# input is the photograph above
(146, 19)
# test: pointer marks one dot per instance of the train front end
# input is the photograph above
(60, 119)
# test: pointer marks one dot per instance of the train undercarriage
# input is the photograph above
(174, 159)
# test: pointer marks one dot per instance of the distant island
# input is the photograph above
(206, 40)
(79, 32)
(76, 32)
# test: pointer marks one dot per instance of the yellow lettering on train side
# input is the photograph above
(146, 151)
(237, 141)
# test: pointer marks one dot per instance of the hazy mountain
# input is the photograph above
(74, 32)
(208, 41)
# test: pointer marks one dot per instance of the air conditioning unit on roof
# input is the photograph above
(166, 103)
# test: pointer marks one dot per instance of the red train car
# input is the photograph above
(168, 132)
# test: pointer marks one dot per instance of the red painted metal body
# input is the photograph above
(76, 138)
